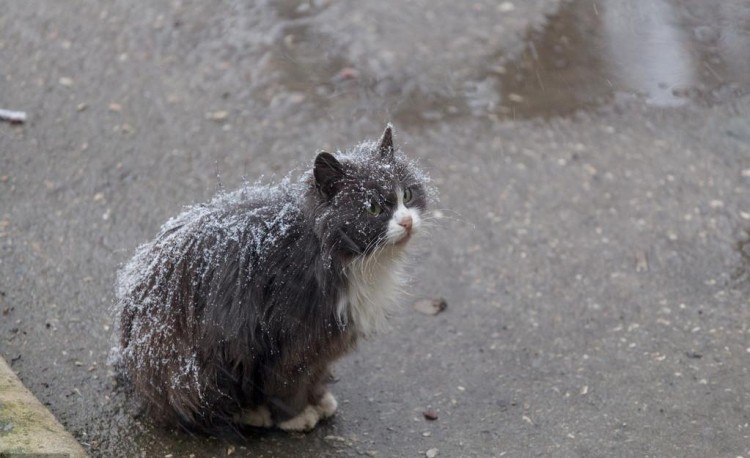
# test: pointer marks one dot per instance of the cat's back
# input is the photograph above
(259, 213)
(208, 238)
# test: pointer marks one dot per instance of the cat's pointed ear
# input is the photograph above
(385, 144)
(328, 172)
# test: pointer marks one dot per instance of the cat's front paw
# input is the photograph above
(327, 405)
(260, 417)
(305, 421)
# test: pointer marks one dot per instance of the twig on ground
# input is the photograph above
(12, 116)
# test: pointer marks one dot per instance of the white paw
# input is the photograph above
(259, 417)
(305, 421)
(327, 405)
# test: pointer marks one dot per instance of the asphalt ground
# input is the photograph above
(592, 251)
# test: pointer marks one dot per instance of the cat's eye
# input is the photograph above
(407, 195)
(374, 209)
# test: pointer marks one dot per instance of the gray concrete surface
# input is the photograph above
(594, 264)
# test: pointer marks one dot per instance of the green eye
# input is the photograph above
(407, 195)
(374, 209)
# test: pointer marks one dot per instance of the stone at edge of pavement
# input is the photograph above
(26, 426)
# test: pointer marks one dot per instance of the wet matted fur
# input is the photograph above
(234, 313)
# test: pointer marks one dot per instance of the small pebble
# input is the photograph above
(217, 115)
(334, 438)
(641, 264)
(348, 73)
(430, 414)
(431, 306)
(432, 453)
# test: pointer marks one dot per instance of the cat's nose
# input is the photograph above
(406, 222)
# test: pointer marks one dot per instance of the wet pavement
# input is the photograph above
(594, 53)
(593, 160)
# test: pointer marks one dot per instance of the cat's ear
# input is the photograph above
(385, 144)
(328, 172)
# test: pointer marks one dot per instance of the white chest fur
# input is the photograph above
(373, 286)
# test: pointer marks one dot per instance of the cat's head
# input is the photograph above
(368, 198)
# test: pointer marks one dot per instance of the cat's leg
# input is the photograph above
(327, 405)
(299, 399)
(323, 406)
(287, 399)
(322, 399)
(305, 421)
(260, 417)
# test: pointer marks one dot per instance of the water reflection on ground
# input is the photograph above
(597, 50)
(591, 53)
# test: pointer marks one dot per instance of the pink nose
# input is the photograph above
(406, 223)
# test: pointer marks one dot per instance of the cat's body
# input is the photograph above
(237, 309)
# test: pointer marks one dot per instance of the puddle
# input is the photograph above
(595, 51)
(667, 53)
(307, 74)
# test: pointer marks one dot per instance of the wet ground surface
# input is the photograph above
(593, 53)
(594, 168)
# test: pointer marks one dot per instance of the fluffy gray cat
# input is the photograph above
(235, 312)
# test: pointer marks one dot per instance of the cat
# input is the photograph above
(235, 312)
